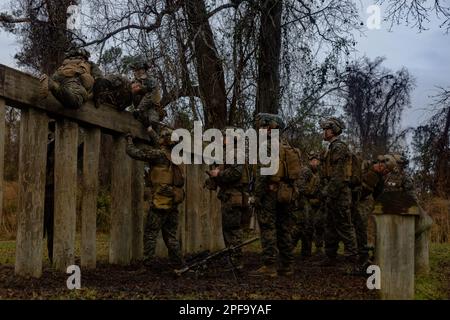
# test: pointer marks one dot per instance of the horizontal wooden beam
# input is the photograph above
(21, 90)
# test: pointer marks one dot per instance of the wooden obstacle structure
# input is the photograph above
(200, 222)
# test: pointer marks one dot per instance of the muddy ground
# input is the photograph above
(311, 281)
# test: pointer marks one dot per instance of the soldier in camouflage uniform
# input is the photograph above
(114, 90)
(274, 218)
(167, 182)
(398, 179)
(309, 222)
(337, 194)
(146, 95)
(73, 82)
(372, 183)
(229, 179)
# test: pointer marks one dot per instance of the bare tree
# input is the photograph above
(41, 27)
(375, 99)
(417, 12)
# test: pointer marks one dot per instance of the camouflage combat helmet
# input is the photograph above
(78, 52)
(400, 159)
(274, 121)
(335, 124)
(390, 161)
(138, 63)
(313, 155)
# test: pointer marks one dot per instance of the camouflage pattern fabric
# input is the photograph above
(158, 219)
(229, 183)
(338, 201)
(70, 91)
(167, 222)
(276, 224)
(146, 102)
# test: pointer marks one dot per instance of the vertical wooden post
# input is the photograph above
(91, 156)
(395, 255)
(422, 253)
(120, 237)
(137, 210)
(30, 216)
(2, 154)
(66, 147)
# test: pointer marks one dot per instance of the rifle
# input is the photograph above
(226, 251)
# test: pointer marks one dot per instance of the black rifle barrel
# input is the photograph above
(219, 253)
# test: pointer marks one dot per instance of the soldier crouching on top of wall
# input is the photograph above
(73, 82)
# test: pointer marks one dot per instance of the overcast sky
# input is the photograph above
(426, 55)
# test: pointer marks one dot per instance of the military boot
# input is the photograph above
(265, 271)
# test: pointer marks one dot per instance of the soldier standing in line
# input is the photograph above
(372, 183)
(232, 180)
(274, 209)
(73, 82)
(310, 221)
(167, 187)
(399, 179)
(338, 196)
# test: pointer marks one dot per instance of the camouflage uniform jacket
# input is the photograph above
(335, 166)
(372, 184)
(229, 179)
(149, 154)
(148, 85)
(398, 180)
(308, 185)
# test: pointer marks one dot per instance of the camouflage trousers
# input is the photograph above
(231, 228)
(360, 217)
(275, 222)
(303, 229)
(167, 222)
(69, 92)
(318, 219)
(339, 226)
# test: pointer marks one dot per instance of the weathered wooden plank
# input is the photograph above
(2, 154)
(22, 90)
(91, 158)
(137, 210)
(422, 253)
(202, 214)
(120, 236)
(66, 146)
(395, 255)
(30, 216)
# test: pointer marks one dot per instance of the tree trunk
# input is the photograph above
(268, 92)
(209, 65)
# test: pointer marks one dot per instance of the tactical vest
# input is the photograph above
(72, 68)
(167, 175)
(393, 181)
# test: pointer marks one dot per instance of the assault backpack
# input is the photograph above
(290, 163)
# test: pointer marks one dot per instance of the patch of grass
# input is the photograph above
(436, 284)
(7, 252)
